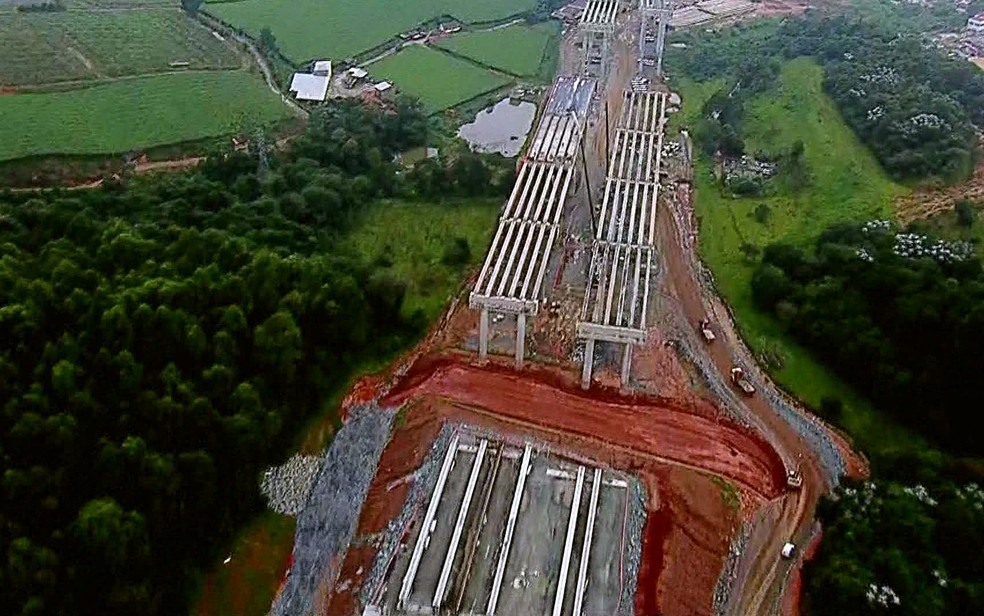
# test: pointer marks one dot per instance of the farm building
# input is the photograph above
(307, 87)
(322, 68)
(354, 75)
(383, 86)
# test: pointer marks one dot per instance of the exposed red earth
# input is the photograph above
(689, 526)
(689, 433)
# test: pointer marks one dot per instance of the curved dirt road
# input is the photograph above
(762, 573)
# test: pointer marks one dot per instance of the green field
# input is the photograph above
(439, 80)
(517, 49)
(847, 185)
(32, 56)
(308, 29)
(46, 48)
(414, 237)
(134, 113)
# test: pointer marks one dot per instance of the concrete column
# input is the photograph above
(588, 363)
(483, 333)
(520, 339)
(626, 364)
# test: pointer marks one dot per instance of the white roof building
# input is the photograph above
(382, 86)
(358, 73)
(308, 87)
(322, 67)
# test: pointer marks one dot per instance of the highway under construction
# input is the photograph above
(553, 178)
(621, 472)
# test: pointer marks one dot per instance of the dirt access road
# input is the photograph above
(762, 574)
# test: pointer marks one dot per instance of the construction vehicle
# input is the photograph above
(741, 382)
(794, 480)
(705, 329)
(787, 550)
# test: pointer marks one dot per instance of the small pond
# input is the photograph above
(501, 128)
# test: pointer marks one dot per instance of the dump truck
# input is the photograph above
(741, 382)
(705, 329)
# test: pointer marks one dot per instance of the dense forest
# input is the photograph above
(164, 339)
(913, 106)
(901, 317)
(913, 547)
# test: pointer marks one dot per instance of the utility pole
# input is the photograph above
(587, 182)
(607, 143)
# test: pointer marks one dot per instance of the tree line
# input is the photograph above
(165, 338)
(914, 107)
(901, 318)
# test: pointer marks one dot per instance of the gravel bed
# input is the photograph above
(633, 541)
(287, 487)
(726, 582)
(328, 521)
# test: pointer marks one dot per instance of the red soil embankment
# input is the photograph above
(665, 430)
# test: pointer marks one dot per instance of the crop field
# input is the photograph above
(307, 29)
(134, 113)
(847, 185)
(72, 45)
(437, 79)
(31, 56)
(517, 49)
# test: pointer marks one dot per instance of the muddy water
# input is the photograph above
(501, 128)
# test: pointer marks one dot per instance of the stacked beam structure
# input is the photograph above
(616, 301)
(511, 279)
(656, 17)
(597, 29)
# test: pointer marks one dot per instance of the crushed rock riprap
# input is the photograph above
(726, 581)
(288, 486)
(328, 520)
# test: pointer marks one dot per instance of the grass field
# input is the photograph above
(45, 48)
(518, 49)
(306, 29)
(437, 79)
(32, 56)
(134, 113)
(847, 185)
(414, 237)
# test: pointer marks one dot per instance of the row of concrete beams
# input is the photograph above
(600, 12)
(423, 538)
(617, 298)
(517, 260)
(442, 583)
(557, 139)
(500, 569)
(582, 575)
(565, 561)
(622, 251)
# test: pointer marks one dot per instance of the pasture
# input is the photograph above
(134, 113)
(517, 49)
(439, 80)
(338, 29)
(847, 185)
(77, 45)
